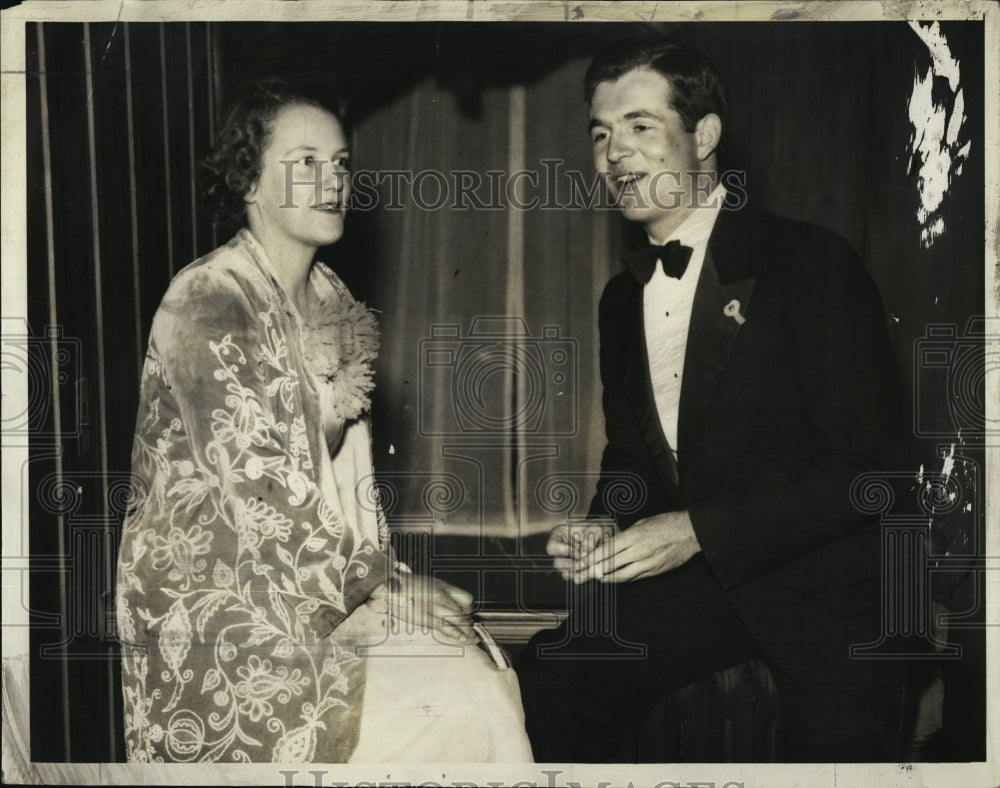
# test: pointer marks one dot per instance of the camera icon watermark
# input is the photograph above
(930, 529)
(961, 370)
(48, 365)
(440, 495)
(498, 380)
(566, 494)
(92, 505)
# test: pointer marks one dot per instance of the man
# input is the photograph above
(748, 380)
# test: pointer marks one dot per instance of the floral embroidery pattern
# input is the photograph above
(234, 568)
(179, 552)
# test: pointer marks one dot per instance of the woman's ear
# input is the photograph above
(708, 134)
(251, 194)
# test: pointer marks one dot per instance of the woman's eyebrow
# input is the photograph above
(312, 149)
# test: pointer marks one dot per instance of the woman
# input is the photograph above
(256, 586)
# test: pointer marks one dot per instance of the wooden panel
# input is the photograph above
(177, 109)
(44, 587)
(153, 217)
(199, 134)
(115, 311)
(115, 316)
(65, 73)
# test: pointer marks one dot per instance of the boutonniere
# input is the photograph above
(732, 309)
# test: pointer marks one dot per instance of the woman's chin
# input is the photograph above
(330, 235)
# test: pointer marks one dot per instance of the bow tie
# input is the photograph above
(673, 255)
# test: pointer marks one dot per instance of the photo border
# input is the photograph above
(13, 252)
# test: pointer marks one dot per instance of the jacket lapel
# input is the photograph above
(721, 300)
(633, 369)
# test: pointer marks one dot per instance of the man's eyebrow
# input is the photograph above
(643, 113)
(638, 113)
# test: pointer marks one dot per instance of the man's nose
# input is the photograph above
(618, 148)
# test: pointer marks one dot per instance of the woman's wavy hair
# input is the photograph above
(233, 163)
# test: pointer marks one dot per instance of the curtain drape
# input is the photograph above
(488, 383)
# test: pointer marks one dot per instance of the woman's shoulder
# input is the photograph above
(225, 273)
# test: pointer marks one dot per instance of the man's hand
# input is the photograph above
(426, 602)
(567, 543)
(649, 547)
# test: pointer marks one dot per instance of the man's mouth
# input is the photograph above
(331, 207)
(628, 179)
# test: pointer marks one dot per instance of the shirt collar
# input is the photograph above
(695, 230)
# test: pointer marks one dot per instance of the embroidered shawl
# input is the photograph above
(233, 567)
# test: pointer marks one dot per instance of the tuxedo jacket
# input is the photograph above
(779, 412)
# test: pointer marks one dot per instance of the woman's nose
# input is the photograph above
(336, 177)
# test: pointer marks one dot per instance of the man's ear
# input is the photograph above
(707, 135)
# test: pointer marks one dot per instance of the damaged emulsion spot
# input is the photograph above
(948, 463)
(937, 126)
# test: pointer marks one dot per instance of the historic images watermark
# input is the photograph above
(47, 364)
(477, 369)
(320, 779)
(487, 393)
(552, 186)
(955, 368)
(933, 516)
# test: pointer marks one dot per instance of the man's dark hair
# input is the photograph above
(696, 87)
(233, 163)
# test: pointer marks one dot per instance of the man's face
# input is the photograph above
(649, 161)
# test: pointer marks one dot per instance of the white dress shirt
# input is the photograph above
(666, 304)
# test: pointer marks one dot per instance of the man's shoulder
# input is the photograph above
(774, 245)
(622, 288)
(761, 227)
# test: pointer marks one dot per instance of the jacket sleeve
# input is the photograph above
(242, 465)
(628, 482)
(846, 381)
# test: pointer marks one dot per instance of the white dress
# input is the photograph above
(424, 700)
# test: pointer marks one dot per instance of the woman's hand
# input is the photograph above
(425, 602)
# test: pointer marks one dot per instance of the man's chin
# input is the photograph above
(636, 211)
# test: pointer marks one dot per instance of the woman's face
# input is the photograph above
(301, 195)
